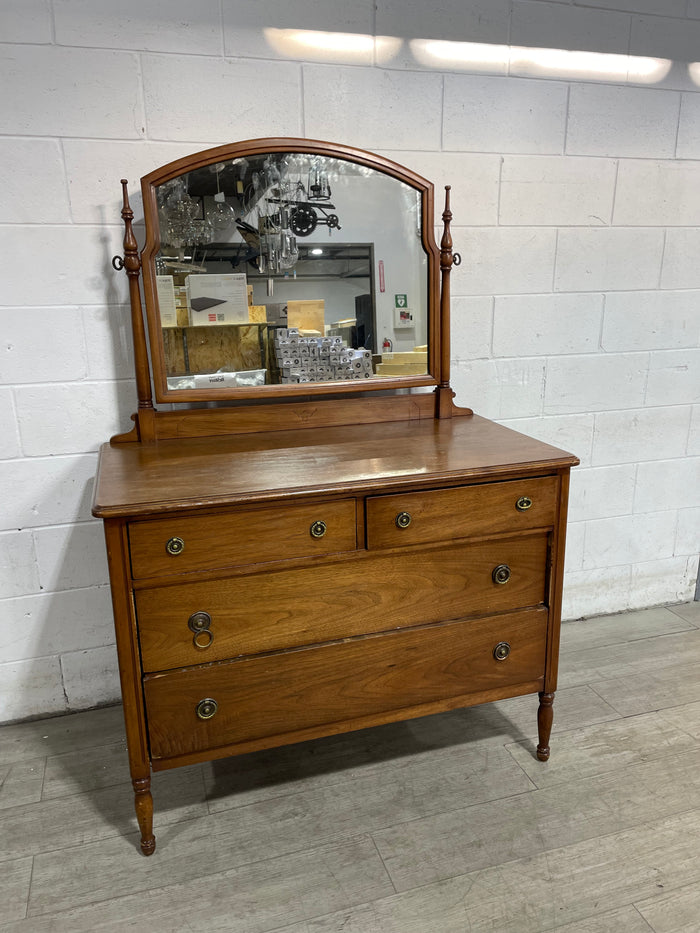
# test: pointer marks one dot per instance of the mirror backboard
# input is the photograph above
(288, 267)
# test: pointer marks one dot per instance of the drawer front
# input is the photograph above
(467, 511)
(256, 698)
(283, 609)
(241, 537)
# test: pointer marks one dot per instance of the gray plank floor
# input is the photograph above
(446, 824)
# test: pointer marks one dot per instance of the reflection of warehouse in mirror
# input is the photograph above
(273, 222)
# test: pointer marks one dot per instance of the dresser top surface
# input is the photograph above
(189, 473)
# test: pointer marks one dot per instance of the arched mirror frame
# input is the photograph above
(149, 185)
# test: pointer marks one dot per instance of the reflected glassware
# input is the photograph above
(223, 215)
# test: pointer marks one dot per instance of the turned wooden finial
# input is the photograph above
(446, 257)
(446, 261)
(131, 261)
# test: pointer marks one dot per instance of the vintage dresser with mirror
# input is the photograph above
(307, 536)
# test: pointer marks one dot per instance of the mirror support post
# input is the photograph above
(145, 418)
(443, 391)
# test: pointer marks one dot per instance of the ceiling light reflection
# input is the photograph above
(542, 62)
(601, 66)
(648, 70)
(472, 55)
(325, 46)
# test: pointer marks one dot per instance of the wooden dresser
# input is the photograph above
(318, 566)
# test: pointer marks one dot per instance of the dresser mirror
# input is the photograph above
(285, 267)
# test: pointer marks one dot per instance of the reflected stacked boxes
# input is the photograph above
(318, 359)
(404, 363)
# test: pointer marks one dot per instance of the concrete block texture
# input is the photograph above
(663, 193)
(679, 268)
(543, 325)
(557, 191)
(641, 434)
(8, 425)
(587, 383)
(652, 320)
(336, 106)
(501, 114)
(569, 133)
(51, 96)
(258, 108)
(608, 258)
(139, 25)
(622, 121)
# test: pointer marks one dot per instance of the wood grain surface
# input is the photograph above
(241, 537)
(270, 611)
(190, 473)
(338, 682)
(443, 514)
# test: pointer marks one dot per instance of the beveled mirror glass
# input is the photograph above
(285, 267)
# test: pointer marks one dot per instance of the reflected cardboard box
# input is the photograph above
(217, 299)
(405, 363)
(308, 315)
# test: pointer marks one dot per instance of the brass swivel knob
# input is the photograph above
(501, 574)
(501, 651)
(207, 708)
(403, 519)
(175, 546)
(199, 623)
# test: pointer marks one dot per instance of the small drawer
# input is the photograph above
(227, 539)
(257, 698)
(213, 620)
(462, 512)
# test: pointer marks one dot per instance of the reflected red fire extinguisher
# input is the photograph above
(386, 346)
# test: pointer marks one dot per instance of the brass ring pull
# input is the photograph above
(523, 503)
(501, 651)
(203, 639)
(207, 708)
(403, 520)
(175, 546)
(318, 529)
(501, 574)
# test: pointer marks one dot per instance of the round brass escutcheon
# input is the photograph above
(501, 651)
(501, 574)
(523, 503)
(403, 520)
(199, 621)
(175, 546)
(207, 708)
(318, 529)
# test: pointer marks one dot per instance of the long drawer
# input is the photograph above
(255, 698)
(191, 542)
(283, 609)
(465, 511)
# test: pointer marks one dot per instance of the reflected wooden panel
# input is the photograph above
(237, 347)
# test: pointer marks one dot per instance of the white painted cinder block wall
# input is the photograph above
(576, 183)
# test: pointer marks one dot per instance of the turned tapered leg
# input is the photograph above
(545, 717)
(143, 802)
